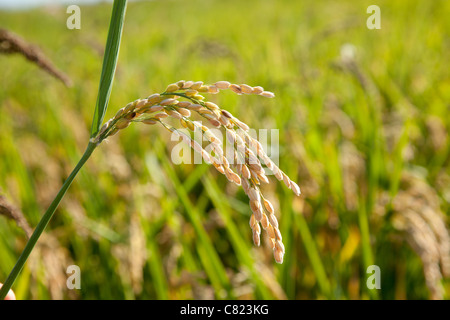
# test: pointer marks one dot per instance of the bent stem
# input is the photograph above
(43, 223)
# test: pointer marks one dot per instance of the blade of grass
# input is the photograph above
(367, 254)
(208, 255)
(239, 245)
(313, 255)
(212, 263)
(109, 65)
(156, 270)
(155, 266)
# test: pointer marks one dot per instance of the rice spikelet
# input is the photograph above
(184, 99)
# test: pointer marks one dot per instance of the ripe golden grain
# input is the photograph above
(184, 112)
(236, 89)
(246, 89)
(197, 85)
(249, 172)
(167, 102)
(172, 87)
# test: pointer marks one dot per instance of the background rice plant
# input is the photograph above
(363, 129)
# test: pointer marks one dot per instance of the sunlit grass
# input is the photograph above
(349, 145)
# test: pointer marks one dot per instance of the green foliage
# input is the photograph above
(141, 227)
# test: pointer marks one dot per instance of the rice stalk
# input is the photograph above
(180, 101)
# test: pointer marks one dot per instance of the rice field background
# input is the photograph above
(363, 128)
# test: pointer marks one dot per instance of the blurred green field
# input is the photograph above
(363, 120)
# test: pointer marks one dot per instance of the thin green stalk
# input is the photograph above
(43, 223)
(239, 245)
(367, 255)
(314, 256)
(106, 81)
